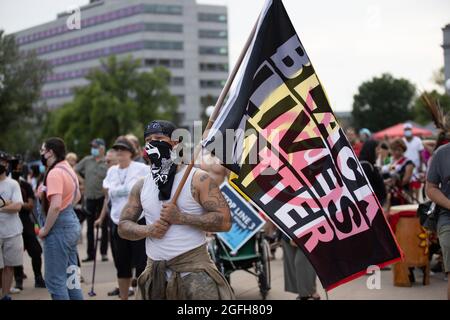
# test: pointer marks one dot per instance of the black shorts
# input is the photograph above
(128, 254)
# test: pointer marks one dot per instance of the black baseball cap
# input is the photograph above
(98, 142)
(163, 127)
(123, 143)
(4, 156)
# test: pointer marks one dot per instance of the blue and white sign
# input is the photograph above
(246, 221)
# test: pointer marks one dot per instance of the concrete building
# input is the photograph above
(191, 40)
(446, 46)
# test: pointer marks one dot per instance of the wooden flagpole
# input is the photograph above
(216, 111)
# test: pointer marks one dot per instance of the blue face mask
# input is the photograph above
(41, 168)
(408, 133)
(95, 152)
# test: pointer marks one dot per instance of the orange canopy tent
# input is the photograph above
(397, 132)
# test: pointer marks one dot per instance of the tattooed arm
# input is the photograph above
(217, 217)
(129, 228)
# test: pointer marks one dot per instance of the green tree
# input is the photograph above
(382, 102)
(22, 76)
(118, 100)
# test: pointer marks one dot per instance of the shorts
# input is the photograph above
(128, 254)
(11, 251)
(415, 185)
(444, 241)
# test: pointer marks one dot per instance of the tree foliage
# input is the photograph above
(22, 76)
(382, 102)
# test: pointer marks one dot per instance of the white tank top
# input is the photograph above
(179, 238)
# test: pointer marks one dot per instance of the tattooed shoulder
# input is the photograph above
(199, 177)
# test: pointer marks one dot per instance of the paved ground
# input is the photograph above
(246, 286)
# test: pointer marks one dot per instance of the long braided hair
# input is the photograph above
(58, 147)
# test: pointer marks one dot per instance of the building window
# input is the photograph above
(98, 36)
(164, 45)
(177, 81)
(56, 93)
(98, 53)
(177, 63)
(208, 100)
(168, 63)
(212, 34)
(163, 9)
(220, 51)
(220, 67)
(99, 19)
(212, 84)
(181, 99)
(212, 17)
(164, 27)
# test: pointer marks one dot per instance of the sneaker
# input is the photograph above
(88, 259)
(130, 292)
(19, 285)
(39, 282)
(6, 298)
(104, 257)
(15, 290)
(114, 292)
(437, 268)
(412, 277)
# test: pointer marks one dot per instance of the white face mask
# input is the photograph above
(408, 133)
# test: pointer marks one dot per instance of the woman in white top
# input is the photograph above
(118, 184)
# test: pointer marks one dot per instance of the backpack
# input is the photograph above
(428, 213)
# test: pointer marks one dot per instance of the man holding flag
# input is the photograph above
(179, 266)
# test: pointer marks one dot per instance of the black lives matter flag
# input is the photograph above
(291, 158)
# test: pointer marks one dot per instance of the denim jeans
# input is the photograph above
(60, 255)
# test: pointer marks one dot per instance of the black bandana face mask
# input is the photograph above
(162, 165)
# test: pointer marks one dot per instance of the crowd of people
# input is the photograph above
(395, 166)
(123, 196)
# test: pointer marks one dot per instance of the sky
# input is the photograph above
(348, 41)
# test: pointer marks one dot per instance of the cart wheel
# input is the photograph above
(263, 269)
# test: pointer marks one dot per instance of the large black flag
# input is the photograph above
(279, 136)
